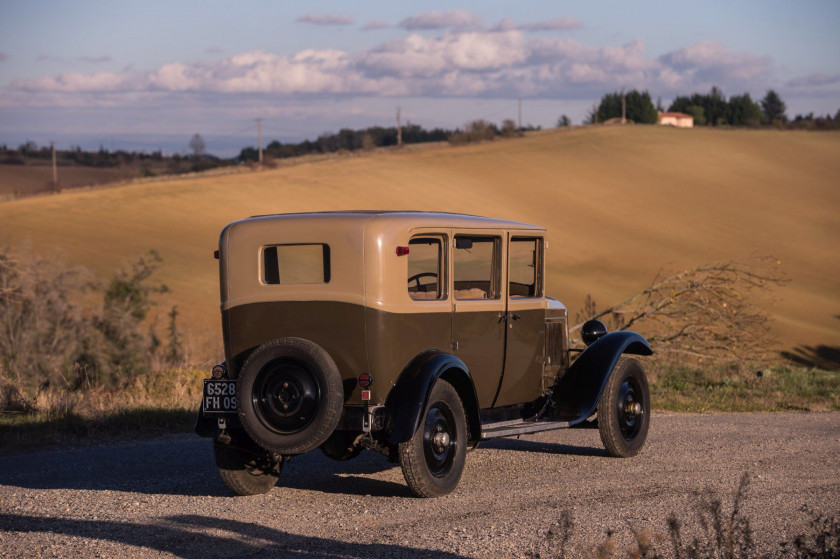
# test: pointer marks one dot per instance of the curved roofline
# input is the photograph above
(371, 214)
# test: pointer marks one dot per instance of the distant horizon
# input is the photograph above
(168, 69)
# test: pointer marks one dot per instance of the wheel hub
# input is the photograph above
(285, 397)
(630, 409)
(439, 442)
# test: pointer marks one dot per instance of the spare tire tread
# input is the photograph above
(319, 364)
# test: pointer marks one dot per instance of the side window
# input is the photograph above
(296, 264)
(425, 268)
(525, 272)
(477, 268)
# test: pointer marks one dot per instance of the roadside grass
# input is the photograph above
(708, 528)
(743, 389)
(166, 401)
(147, 405)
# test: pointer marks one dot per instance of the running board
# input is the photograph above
(518, 427)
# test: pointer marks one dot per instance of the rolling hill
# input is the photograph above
(619, 203)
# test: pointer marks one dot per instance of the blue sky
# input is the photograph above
(147, 75)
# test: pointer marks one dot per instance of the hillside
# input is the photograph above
(619, 204)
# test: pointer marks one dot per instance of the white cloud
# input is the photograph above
(418, 56)
(326, 19)
(462, 63)
(452, 19)
(710, 61)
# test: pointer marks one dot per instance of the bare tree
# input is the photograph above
(197, 145)
(703, 312)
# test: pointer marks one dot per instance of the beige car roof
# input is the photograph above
(365, 269)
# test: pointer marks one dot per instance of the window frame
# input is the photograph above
(326, 264)
(539, 267)
(495, 287)
(443, 266)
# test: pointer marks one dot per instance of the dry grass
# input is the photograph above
(741, 388)
(23, 180)
(148, 405)
(618, 202)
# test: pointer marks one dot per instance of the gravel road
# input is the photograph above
(163, 497)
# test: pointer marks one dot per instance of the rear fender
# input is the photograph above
(408, 397)
(578, 392)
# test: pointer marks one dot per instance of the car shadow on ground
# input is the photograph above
(525, 445)
(186, 536)
(183, 466)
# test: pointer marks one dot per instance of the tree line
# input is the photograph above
(709, 109)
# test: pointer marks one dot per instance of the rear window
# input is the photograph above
(298, 264)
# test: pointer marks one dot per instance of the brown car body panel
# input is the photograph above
(364, 316)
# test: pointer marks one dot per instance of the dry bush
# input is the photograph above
(704, 313)
(43, 320)
(60, 331)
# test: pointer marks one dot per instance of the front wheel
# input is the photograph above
(245, 472)
(433, 459)
(624, 409)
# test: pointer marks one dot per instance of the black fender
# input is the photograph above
(578, 392)
(408, 397)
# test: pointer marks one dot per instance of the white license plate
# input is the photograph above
(219, 396)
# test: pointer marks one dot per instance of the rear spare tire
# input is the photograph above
(290, 396)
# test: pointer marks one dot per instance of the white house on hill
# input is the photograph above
(680, 120)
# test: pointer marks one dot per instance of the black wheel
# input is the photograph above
(340, 446)
(246, 471)
(290, 396)
(433, 460)
(624, 409)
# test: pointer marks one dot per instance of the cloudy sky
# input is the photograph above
(144, 75)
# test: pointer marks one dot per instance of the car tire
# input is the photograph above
(243, 472)
(624, 409)
(290, 396)
(340, 446)
(433, 459)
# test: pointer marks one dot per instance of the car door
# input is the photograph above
(478, 325)
(525, 320)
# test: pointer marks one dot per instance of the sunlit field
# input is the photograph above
(620, 203)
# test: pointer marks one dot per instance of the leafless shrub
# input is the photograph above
(703, 313)
(43, 327)
(60, 331)
(821, 542)
(557, 536)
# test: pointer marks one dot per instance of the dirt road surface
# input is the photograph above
(163, 497)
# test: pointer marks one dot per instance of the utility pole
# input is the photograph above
(54, 167)
(259, 139)
(623, 108)
(399, 128)
(520, 114)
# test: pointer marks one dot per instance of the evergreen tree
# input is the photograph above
(639, 107)
(743, 111)
(774, 108)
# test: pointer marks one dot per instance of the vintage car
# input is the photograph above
(413, 334)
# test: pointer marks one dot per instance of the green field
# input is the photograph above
(619, 203)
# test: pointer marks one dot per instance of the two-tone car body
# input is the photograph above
(414, 334)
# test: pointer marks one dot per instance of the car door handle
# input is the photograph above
(515, 316)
